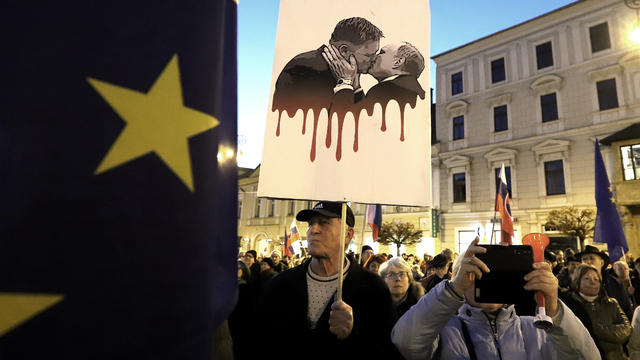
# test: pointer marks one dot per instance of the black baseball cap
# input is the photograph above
(329, 209)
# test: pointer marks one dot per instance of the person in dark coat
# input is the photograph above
(356, 327)
(306, 82)
(267, 273)
(440, 264)
(611, 285)
(405, 292)
(244, 314)
(564, 276)
(610, 326)
(251, 259)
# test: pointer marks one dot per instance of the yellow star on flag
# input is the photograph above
(613, 200)
(16, 309)
(156, 121)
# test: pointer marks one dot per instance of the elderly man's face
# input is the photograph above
(593, 259)
(622, 270)
(384, 62)
(323, 237)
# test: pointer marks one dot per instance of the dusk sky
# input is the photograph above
(453, 23)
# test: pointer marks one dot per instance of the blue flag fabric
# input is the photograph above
(118, 178)
(608, 228)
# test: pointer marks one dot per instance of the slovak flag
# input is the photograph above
(295, 236)
(288, 249)
(503, 205)
(374, 219)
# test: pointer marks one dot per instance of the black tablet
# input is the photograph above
(504, 284)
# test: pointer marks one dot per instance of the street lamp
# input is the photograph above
(634, 35)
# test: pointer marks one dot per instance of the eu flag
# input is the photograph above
(608, 228)
(118, 178)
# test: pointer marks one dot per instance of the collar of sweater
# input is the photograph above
(473, 314)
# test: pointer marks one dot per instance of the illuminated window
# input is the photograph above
(630, 161)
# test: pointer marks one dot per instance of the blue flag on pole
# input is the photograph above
(608, 228)
(118, 178)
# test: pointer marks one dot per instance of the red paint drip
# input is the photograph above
(341, 104)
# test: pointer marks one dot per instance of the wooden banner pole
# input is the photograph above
(343, 236)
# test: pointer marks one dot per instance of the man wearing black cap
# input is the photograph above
(367, 251)
(564, 276)
(612, 286)
(359, 326)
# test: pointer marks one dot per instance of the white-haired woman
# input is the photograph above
(405, 291)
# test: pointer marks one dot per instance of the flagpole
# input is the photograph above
(493, 226)
(343, 235)
(364, 223)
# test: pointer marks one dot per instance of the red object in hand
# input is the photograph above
(538, 242)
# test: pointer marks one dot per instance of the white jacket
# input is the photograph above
(432, 322)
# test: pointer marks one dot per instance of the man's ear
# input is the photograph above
(344, 51)
(398, 62)
(349, 236)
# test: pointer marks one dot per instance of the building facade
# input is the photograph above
(534, 97)
(262, 222)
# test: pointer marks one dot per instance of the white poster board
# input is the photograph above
(360, 155)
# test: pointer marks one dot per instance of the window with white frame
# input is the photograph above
(607, 94)
(272, 207)
(292, 207)
(554, 177)
(465, 237)
(257, 207)
(456, 84)
(552, 158)
(501, 124)
(500, 118)
(458, 127)
(599, 37)
(458, 170)
(459, 188)
(630, 156)
(457, 111)
(498, 72)
(549, 109)
(544, 55)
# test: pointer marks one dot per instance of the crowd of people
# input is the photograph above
(423, 307)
